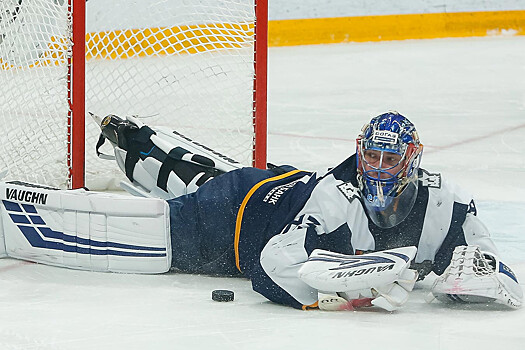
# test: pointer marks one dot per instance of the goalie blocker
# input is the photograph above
(381, 279)
(84, 230)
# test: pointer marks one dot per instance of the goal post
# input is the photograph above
(197, 66)
(76, 152)
(260, 84)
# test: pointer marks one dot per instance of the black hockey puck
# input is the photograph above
(222, 295)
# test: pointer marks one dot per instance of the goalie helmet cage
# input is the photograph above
(196, 66)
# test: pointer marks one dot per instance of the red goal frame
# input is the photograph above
(76, 91)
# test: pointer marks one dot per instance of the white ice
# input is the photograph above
(467, 98)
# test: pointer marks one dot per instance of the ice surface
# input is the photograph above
(467, 98)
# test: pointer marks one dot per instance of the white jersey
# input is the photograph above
(443, 217)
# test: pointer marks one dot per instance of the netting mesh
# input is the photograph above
(33, 89)
(183, 64)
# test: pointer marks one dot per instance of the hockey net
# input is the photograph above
(187, 65)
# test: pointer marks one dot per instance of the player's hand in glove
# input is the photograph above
(346, 282)
(474, 276)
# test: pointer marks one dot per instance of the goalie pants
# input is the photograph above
(203, 223)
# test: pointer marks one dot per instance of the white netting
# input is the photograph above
(33, 89)
(183, 64)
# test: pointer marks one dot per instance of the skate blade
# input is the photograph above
(98, 119)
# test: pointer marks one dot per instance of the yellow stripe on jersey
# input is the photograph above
(240, 213)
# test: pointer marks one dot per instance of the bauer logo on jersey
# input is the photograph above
(25, 196)
(385, 136)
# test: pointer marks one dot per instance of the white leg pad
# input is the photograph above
(200, 160)
(167, 139)
(85, 230)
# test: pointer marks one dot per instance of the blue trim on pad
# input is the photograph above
(39, 235)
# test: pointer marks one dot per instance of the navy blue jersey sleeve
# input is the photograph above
(455, 237)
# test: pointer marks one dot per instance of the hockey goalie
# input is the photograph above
(358, 235)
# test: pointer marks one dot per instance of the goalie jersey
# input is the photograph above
(263, 224)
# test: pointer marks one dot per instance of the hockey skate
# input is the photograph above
(159, 162)
(116, 130)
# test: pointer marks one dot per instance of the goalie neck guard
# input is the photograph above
(388, 157)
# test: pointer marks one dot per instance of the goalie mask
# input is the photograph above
(388, 157)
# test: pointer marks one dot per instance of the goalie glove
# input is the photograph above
(474, 276)
(345, 282)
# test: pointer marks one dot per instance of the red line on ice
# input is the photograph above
(475, 139)
(432, 149)
(311, 137)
